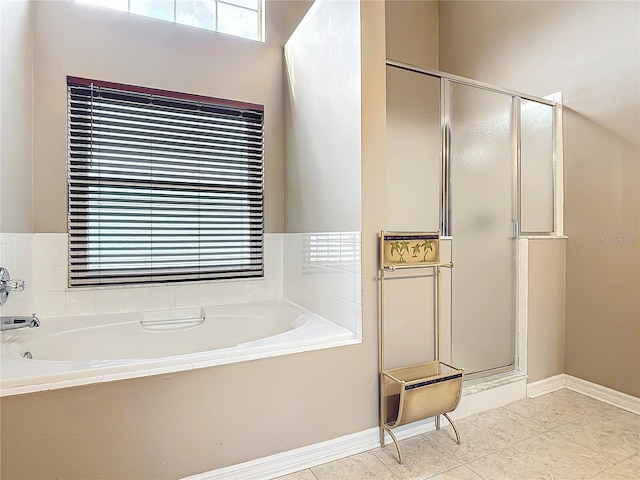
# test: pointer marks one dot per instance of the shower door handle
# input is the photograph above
(513, 229)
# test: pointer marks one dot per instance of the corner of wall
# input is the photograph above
(437, 65)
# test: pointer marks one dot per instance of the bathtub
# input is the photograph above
(72, 351)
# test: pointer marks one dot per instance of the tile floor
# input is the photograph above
(559, 436)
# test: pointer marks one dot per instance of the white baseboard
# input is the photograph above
(590, 389)
(294, 460)
(313, 455)
(547, 385)
(604, 394)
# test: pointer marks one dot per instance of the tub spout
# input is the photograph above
(11, 323)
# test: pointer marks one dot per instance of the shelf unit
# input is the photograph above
(430, 389)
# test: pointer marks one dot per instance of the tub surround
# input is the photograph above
(119, 346)
(323, 275)
(321, 272)
(16, 255)
(52, 297)
(41, 259)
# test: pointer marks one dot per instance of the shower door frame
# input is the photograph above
(446, 81)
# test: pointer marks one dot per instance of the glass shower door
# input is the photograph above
(481, 212)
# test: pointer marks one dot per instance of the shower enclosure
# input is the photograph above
(479, 160)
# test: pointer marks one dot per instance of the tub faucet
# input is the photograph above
(13, 322)
(7, 285)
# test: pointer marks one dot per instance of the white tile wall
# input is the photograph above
(110, 301)
(233, 292)
(16, 255)
(50, 250)
(50, 304)
(253, 291)
(523, 294)
(42, 260)
(559, 167)
(273, 267)
(50, 279)
(322, 274)
(273, 289)
(490, 394)
(210, 293)
(82, 302)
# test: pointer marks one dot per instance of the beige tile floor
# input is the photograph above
(559, 436)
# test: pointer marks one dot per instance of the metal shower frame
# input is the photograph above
(446, 79)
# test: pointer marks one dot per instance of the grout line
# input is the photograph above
(600, 471)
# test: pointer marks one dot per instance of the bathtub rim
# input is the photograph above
(63, 375)
(14, 341)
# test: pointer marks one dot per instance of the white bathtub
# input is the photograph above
(98, 348)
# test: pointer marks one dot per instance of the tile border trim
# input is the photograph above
(590, 389)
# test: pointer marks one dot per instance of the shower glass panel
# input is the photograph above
(481, 213)
(536, 168)
(413, 151)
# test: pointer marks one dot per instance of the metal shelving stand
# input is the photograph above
(414, 392)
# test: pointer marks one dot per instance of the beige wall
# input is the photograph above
(412, 32)
(178, 424)
(173, 425)
(591, 52)
(412, 194)
(322, 121)
(414, 163)
(546, 308)
(80, 40)
(16, 58)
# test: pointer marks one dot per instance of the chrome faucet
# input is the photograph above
(7, 285)
(13, 322)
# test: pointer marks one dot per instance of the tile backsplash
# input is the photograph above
(318, 271)
(41, 260)
(322, 274)
(16, 255)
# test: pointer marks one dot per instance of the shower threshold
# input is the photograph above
(480, 384)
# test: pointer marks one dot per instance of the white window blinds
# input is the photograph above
(163, 186)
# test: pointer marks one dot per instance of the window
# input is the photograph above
(163, 187)
(242, 18)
